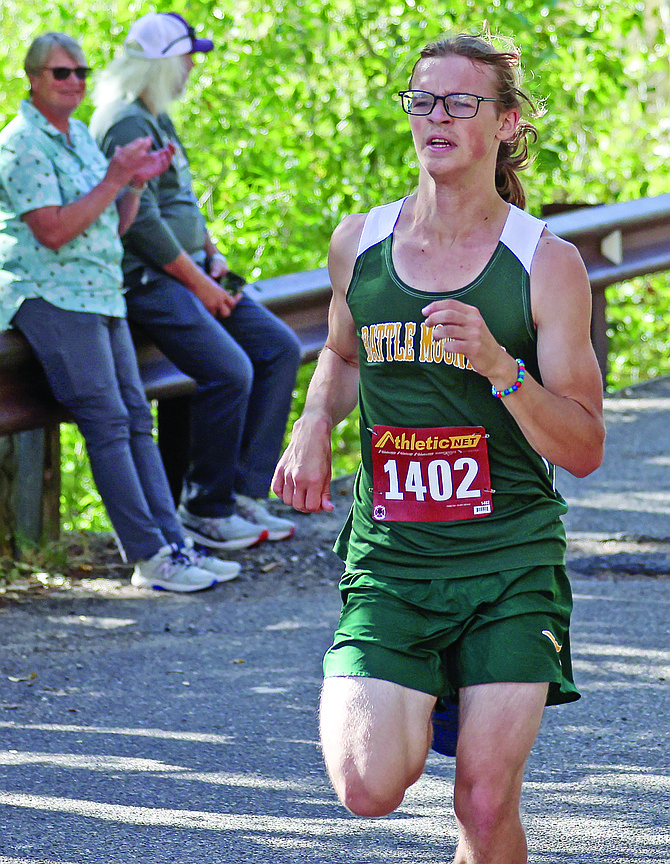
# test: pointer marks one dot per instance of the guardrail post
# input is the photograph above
(7, 486)
(599, 336)
(29, 488)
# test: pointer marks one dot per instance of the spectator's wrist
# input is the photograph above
(136, 188)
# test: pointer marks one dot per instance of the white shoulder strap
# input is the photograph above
(379, 223)
(521, 235)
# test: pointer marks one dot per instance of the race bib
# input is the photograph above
(430, 475)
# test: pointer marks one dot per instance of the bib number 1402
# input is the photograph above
(440, 479)
(430, 475)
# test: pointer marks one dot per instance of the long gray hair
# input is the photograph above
(159, 82)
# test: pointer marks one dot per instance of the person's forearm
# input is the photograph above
(217, 301)
(128, 204)
(333, 391)
(53, 227)
(186, 271)
(302, 476)
(561, 429)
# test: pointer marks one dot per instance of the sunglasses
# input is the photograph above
(60, 73)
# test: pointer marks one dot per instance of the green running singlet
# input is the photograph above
(408, 380)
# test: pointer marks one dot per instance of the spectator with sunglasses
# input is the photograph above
(62, 208)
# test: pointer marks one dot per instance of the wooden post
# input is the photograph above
(8, 547)
(29, 488)
(51, 484)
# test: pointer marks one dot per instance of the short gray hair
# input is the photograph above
(42, 46)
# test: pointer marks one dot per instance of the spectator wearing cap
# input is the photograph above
(244, 360)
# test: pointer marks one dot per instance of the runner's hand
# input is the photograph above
(464, 331)
(302, 477)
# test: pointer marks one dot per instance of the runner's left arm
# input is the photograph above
(562, 419)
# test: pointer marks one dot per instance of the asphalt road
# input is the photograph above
(149, 727)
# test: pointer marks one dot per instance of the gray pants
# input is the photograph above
(91, 366)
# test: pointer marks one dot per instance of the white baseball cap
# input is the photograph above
(163, 34)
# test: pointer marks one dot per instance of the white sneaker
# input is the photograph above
(171, 570)
(230, 532)
(224, 571)
(254, 510)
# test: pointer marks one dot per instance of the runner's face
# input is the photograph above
(446, 144)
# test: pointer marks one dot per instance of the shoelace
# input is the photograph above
(179, 556)
(193, 556)
(200, 550)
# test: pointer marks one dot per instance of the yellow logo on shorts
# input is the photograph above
(552, 638)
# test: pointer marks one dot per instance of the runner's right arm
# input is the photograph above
(302, 477)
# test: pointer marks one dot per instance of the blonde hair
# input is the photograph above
(513, 155)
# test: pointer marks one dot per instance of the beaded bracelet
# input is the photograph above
(519, 381)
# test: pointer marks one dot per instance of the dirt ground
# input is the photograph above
(91, 562)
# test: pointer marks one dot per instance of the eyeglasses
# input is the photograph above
(461, 105)
(61, 73)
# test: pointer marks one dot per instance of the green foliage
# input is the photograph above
(639, 312)
(80, 504)
(291, 122)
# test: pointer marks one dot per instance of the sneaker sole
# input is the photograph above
(223, 577)
(280, 535)
(141, 582)
(230, 578)
(211, 543)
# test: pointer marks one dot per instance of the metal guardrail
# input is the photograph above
(29, 506)
(26, 402)
(617, 242)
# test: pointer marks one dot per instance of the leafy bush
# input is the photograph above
(638, 313)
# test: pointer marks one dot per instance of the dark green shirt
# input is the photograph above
(169, 220)
(407, 380)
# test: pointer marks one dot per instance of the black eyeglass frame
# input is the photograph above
(62, 73)
(408, 93)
